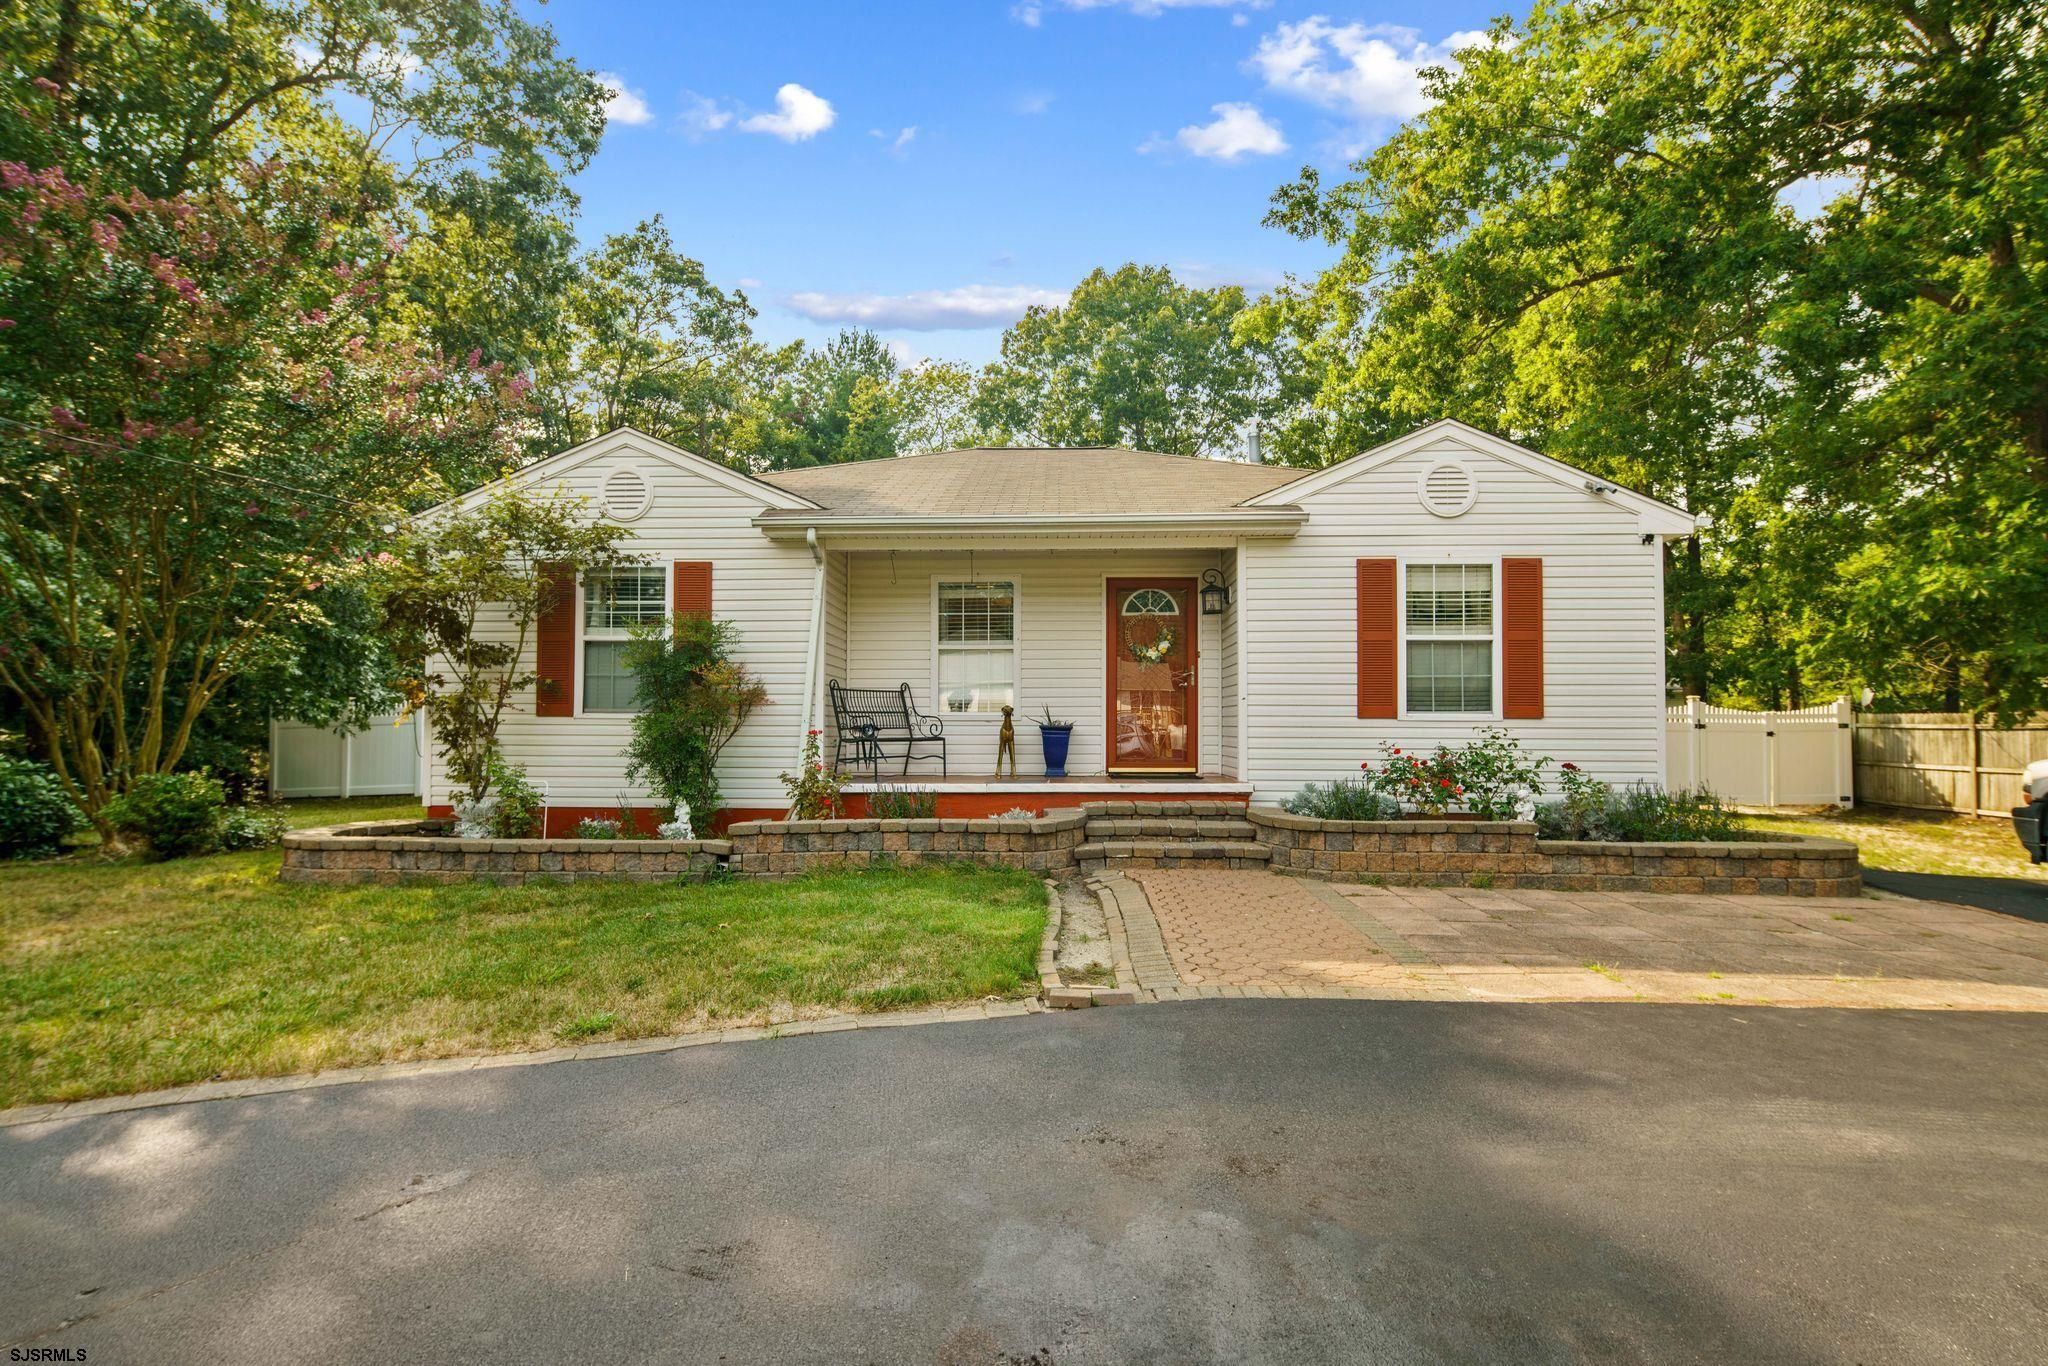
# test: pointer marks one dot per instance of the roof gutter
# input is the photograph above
(1269, 521)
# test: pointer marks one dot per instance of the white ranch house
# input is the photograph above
(1442, 581)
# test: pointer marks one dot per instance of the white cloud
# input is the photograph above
(623, 104)
(1033, 102)
(702, 116)
(926, 310)
(1031, 12)
(799, 114)
(1237, 130)
(1366, 70)
(900, 141)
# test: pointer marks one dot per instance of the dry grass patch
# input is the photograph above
(124, 976)
(1916, 842)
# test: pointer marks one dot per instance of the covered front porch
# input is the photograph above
(1113, 634)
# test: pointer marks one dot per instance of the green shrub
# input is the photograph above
(694, 697)
(598, 828)
(1347, 799)
(903, 804)
(34, 812)
(176, 814)
(1593, 810)
(251, 827)
(517, 809)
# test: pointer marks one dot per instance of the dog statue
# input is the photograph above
(1006, 743)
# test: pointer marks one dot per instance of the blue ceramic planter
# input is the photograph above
(1054, 741)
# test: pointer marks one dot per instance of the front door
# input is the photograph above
(1151, 675)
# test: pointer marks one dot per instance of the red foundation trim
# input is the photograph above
(969, 805)
(562, 820)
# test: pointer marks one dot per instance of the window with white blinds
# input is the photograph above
(613, 604)
(977, 646)
(1448, 616)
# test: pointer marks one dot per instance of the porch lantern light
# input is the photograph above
(1215, 597)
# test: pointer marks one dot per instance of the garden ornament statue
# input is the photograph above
(1006, 743)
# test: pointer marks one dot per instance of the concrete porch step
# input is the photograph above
(1181, 828)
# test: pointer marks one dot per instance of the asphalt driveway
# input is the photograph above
(1208, 1181)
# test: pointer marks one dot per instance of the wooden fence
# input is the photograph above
(1943, 761)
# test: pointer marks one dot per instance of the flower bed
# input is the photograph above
(1509, 854)
(425, 851)
(1042, 844)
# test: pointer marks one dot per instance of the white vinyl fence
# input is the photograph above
(381, 760)
(1763, 758)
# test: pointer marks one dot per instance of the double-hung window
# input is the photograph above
(614, 603)
(977, 646)
(1449, 620)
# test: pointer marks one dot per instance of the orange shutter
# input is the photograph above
(693, 588)
(1378, 638)
(554, 650)
(1521, 639)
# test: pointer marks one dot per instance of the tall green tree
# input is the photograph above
(462, 114)
(836, 403)
(1781, 260)
(649, 342)
(1133, 358)
(202, 434)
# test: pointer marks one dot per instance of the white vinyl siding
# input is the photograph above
(1603, 634)
(761, 586)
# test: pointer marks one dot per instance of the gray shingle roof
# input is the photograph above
(1027, 481)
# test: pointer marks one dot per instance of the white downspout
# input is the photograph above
(817, 632)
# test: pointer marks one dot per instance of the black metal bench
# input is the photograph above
(876, 724)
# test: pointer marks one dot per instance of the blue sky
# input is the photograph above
(929, 168)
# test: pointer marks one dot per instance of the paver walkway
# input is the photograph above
(1232, 933)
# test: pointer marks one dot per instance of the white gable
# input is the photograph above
(1447, 441)
(626, 447)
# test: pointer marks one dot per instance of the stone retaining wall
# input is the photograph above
(424, 851)
(1044, 844)
(1496, 853)
(1508, 854)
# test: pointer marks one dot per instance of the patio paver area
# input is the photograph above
(1231, 933)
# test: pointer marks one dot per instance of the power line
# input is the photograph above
(211, 470)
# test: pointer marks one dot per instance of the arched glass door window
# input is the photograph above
(1151, 602)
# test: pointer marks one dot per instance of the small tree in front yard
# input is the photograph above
(695, 697)
(460, 597)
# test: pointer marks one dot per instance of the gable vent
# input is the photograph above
(1447, 488)
(625, 495)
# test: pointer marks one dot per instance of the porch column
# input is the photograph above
(1244, 664)
(815, 646)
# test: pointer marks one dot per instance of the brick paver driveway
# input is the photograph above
(1252, 933)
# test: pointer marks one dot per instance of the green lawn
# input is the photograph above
(121, 976)
(1916, 842)
(311, 811)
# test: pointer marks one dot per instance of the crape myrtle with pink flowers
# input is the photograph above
(206, 430)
